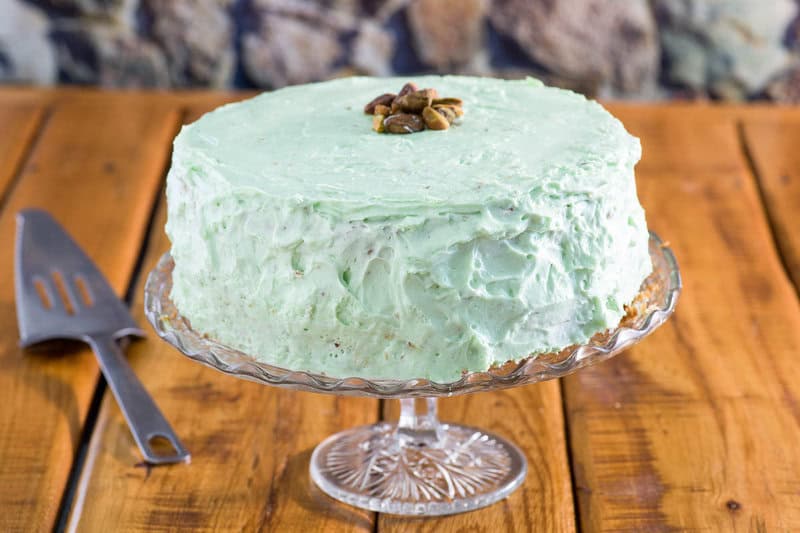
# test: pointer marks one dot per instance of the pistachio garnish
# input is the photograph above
(434, 119)
(447, 113)
(412, 110)
(384, 99)
(409, 87)
(377, 123)
(450, 112)
(448, 101)
(403, 123)
(449, 109)
(415, 102)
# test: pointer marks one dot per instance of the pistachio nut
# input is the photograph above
(446, 111)
(415, 102)
(454, 109)
(403, 123)
(448, 101)
(409, 87)
(384, 99)
(377, 123)
(434, 119)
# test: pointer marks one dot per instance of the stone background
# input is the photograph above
(636, 49)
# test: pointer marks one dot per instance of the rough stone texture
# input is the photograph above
(335, 13)
(196, 37)
(119, 10)
(785, 89)
(793, 34)
(725, 49)
(313, 12)
(93, 52)
(372, 50)
(299, 41)
(288, 51)
(25, 52)
(611, 41)
(728, 48)
(383, 10)
(589, 88)
(448, 34)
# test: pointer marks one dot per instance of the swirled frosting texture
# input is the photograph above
(306, 239)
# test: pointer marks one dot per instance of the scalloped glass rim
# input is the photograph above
(653, 306)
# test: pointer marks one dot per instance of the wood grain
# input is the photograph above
(96, 167)
(250, 445)
(773, 145)
(698, 427)
(532, 418)
(18, 123)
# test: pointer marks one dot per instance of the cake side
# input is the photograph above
(378, 262)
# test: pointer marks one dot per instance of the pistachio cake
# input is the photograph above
(303, 236)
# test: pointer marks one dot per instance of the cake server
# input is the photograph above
(62, 295)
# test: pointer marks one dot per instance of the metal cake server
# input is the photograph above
(62, 295)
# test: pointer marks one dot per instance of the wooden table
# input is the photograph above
(697, 428)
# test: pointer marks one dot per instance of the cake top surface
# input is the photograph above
(313, 143)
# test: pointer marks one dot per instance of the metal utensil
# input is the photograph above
(61, 295)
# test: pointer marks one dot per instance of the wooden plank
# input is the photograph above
(250, 445)
(774, 148)
(705, 110)
(18, 124)
(21, 95)
(532, 418)
(97, 168)
(698, 427)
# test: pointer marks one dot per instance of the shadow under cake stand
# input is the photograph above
(420, 466)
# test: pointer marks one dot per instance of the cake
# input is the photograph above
(304, 238)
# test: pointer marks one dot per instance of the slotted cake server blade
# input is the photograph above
(60, 294)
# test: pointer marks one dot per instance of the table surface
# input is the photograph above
(696, 428)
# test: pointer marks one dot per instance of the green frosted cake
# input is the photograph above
(303, 237)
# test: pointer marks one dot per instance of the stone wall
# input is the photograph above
(726, 49)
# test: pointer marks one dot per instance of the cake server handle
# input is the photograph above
(142, 414)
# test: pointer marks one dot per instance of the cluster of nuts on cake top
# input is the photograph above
(412, 110)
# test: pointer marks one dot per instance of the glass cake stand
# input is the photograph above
(420, 466)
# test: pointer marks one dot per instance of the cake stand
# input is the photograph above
(420, 466)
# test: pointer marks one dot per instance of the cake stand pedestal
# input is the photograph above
(417, 466)
(420, 466)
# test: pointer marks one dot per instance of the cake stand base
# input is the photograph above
(417, 466)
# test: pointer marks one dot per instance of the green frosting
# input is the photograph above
(308, 240)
